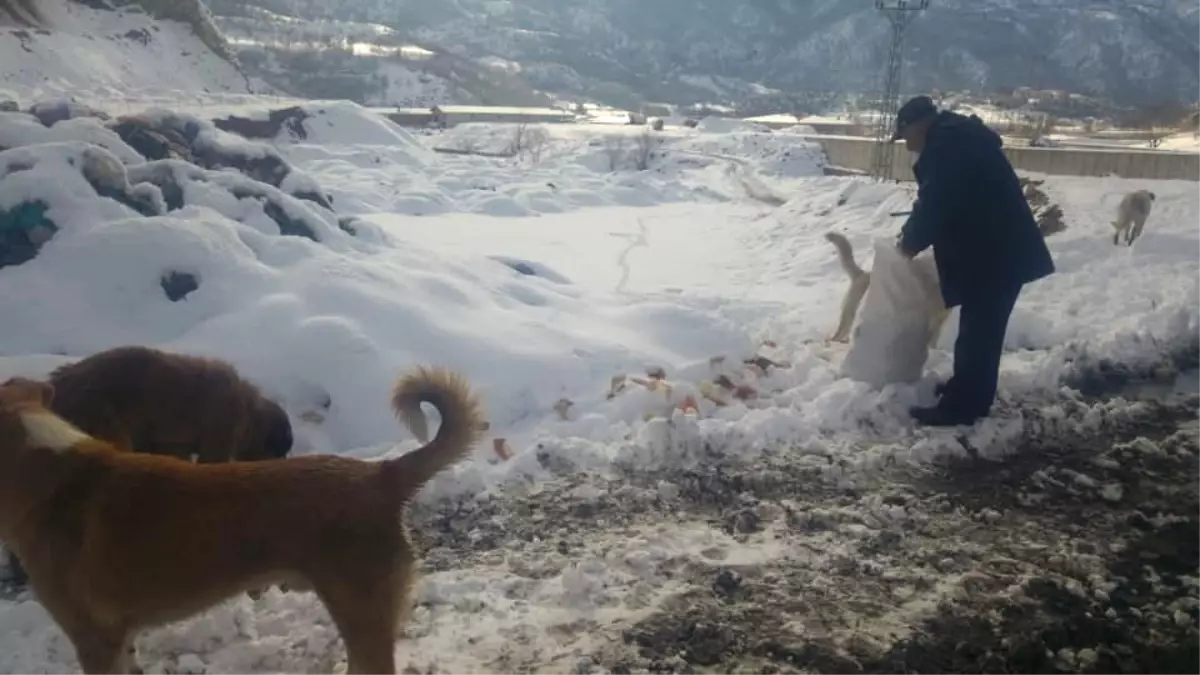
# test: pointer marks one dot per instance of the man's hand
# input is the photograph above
(913, 214)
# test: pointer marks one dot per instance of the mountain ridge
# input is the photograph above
(1130, 52)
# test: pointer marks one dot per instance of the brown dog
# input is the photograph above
(116, 542)
(172, 404)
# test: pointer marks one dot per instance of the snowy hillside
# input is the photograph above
(677, 477)
(96, 52)
(714, 50)
(369, 63)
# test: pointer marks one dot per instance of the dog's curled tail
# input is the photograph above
(462, 425)
(845, 254)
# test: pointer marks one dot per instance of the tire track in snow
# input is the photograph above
(635, 241)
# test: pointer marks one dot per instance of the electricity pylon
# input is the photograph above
(900, 14)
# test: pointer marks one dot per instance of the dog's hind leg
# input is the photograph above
(1120, 227)
(363, 620)
(1138, 224)
(367, 604)
(854, 296)
(102, 650)
(936, 321)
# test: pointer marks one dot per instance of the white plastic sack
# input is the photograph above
(890, 344)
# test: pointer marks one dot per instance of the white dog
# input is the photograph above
(860, 280)
(1132, 213)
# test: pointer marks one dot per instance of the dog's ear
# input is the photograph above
(47, 392)
(1152, 197)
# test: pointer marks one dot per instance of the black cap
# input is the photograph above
(914, 110)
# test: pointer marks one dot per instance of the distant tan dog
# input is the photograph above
(860, 281)
(116, 542)
(1132, 213)
(172, 404)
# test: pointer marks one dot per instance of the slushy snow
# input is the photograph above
(541, 279)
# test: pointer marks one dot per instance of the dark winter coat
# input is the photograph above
(971, 209)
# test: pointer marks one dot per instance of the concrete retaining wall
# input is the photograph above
(855, 153)
(419, 119)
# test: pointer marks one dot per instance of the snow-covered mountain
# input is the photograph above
(323, 59)
(313, 54)
(114, 50)
(134, 52)
(1130, 51)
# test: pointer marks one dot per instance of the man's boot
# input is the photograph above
(942, 416)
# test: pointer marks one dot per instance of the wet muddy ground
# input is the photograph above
(1077, 553)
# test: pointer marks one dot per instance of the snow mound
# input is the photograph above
(55, 179)
(18, 129)
(531, 268)
(63, 189)
(162, 134)
(781, 155)
(323, 123)
(530, 170)
(478, 172)
(349, 124)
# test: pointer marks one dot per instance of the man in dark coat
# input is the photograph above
(970, 208)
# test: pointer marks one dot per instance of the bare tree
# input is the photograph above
(614, 148)
(1046, 126)
(536, 140)
(527, 142)
(1033, 126)
(643, 150)
(1159, 120)
(517, 144)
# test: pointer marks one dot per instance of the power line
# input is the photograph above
(899, 13)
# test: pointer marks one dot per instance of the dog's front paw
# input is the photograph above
(131, 662)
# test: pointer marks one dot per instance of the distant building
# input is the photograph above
(781, 121)
(450, 115)
(438, 117)
(831, 126)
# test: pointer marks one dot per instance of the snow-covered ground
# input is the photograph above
(541, 277)
(1187, 140)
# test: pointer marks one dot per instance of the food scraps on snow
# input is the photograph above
(721, 388)
(502, 449)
